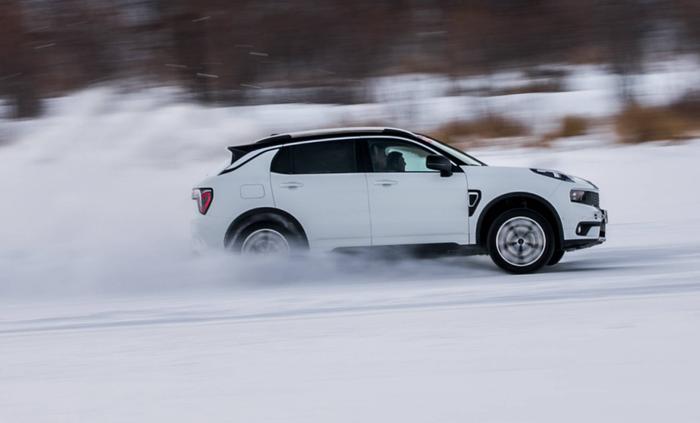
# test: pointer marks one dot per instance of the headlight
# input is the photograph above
(577, 195)
(553, 174)
(581, 196)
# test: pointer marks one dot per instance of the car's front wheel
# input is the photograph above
(521, 241)
(556, 257)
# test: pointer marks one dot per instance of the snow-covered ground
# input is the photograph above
(106, 316)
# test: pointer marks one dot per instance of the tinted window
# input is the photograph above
(398, 156)
(317, 157)
(282, 162)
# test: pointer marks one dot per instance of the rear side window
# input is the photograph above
(316, 158)
(282, 162)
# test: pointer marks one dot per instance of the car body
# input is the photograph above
(369, 187)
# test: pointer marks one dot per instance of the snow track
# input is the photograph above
(462, 282)
(532, 353)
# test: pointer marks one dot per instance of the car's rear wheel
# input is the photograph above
(521, 241)
(265, 239)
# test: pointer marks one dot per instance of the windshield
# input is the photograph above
(466, 158)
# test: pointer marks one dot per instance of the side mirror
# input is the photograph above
(440, 163)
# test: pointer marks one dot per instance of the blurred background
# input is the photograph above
(479, 69)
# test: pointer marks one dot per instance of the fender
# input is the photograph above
(528, 196)
(265, 214)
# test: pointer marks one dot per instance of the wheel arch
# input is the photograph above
(265, 215)
(515, 200)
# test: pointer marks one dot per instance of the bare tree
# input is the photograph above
(623, 26)
(17, 62)
(224, 50)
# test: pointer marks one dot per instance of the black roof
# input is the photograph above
(275, 140)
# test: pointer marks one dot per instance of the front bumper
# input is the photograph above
(589, 233)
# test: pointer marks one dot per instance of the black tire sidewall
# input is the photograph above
(549, 241)
(556, 257)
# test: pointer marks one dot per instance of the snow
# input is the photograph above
(629, 359)
(107, 316)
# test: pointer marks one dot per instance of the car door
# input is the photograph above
(411, 204)
(320, 184)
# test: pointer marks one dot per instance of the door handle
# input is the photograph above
(385, 182)
(291, 185)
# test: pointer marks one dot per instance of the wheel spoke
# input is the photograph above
(265, 242)
(520, 241)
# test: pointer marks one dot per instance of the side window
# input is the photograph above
(316, 158)
(398, 156)
(282, 162)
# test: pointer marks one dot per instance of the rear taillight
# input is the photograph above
(203, 197)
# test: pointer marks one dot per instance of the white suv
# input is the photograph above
(368, 187)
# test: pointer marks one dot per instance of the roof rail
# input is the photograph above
(274, 139)
(280, 139)
(397, 131)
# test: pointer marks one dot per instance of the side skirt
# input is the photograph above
(414, 250)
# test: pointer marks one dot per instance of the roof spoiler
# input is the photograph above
(236, 153)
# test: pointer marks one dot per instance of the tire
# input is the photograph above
(265, 239)
(521, 241)
(556, 257)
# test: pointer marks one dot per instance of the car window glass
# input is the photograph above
(398, 156)
(282, 162)
(316, 158)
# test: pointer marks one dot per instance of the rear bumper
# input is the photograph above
(207, 233)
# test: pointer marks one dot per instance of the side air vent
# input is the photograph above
(474, 197)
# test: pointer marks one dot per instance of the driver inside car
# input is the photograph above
(395, 162)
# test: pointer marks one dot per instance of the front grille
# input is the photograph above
(591, 198)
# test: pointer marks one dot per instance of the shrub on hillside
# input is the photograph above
(637, 124)
(489, 126)
(688, 105)
(572, 126)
